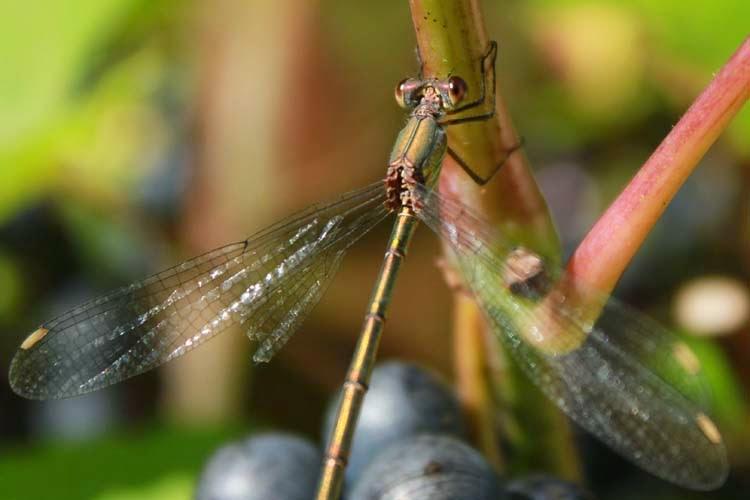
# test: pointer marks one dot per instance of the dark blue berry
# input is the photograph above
(403, 400)
(540, 487)
(428, 467)
(270, 466)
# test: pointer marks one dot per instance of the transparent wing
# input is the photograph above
(289, 304)
(267, 283)
(624, 379)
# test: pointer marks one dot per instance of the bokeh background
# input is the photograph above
(136, 133)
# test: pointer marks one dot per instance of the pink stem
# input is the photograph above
(607, 249)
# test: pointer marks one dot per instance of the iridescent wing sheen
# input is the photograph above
(622, 377)
(267, 283)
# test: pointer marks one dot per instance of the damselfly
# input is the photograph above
(621, 377)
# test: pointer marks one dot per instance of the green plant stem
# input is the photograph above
(451, 40)
(471, 374)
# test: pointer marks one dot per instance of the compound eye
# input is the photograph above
(456, 89)
(406, 92)
(400, 93)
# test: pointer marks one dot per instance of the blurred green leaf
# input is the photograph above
(158, 460)
(171, 487)
(11, 287)
(90, 150)
(704, 35)
(52, 136)
(39, 70)
(728, 402)
(686, 28)
(675, 46)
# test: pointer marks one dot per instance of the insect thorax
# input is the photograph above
(415, 159)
